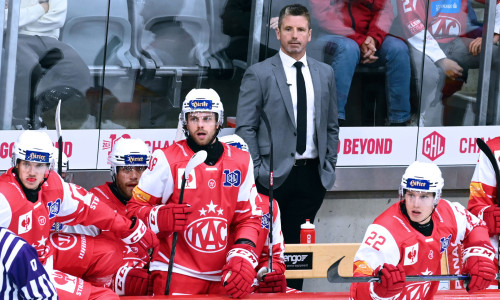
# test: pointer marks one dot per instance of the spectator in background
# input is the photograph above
(23, 275)
(45, 64)
(356, 32)
(298, 94)
(446, 57)
(236, 20)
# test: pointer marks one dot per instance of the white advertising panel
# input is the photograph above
(375, 146)
(453, 145)
(79, 145)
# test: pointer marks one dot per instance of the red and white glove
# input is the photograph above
(133, 282)
(392, 281)
(169, 218)
(239, 272)
(491, 216)
(272, 282)
(480, 266)
(141, 237)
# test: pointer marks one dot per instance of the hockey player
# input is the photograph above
(128, 160)
(217, 195)
(22, 274)
(483, 201)
(268, 281)
(33, 197)
(411, 235)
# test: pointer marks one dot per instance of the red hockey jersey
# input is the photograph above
(58, 201)
(221, 195)
(483, 186)
(391, 239)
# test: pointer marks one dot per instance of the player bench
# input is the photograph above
(313, 260)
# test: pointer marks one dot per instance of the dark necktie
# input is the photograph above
(301, 110)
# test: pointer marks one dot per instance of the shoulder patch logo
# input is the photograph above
(445, 243)
(190, 182)
(25, 222)
(54, 208)
(232, 178)
(411, 255)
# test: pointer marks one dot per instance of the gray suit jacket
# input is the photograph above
(264, 86)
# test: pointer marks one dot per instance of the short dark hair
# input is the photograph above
(294, 10)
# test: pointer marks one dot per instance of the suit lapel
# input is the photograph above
(280, 76)
(316, 80)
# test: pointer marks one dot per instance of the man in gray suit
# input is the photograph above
(298, 95)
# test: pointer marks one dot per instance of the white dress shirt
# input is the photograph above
(291, 80)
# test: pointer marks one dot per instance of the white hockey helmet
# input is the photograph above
(202, 100)
(35, 146)
(128, 152)
(65, 161)
(234, 140)
(422, 177)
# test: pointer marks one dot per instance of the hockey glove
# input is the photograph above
(479, 265)
(491, 216)
(169, 218)
(133, 282)
(239, 273)
(141, 237)
(392, 281)
(273, 282)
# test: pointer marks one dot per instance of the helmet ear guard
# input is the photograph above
(422, 177)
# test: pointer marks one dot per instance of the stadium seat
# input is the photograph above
(85, 30)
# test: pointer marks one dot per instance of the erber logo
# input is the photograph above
(433, 146)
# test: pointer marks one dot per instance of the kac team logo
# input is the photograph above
(232, 178)
(433, 146)
(208, 234)
(54, 208)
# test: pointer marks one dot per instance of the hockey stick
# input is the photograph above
(491, 157)
(59, 138)
(264, 117)
(197, 159)
(333, 276)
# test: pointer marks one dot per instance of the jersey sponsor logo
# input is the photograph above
(212, 184)
(445, 26)
(411, 255)
(431, 254)
(54, 208)
(25, 222)
(412, 183)
(42, 220)
(200, 104)
(190, 181)
(445, 7)
(208, 234)
(433, 146)
(63, 241)
(418, 290)
(265, 221)
(68, 283)
(415, 26)
(232, 178)
(135, 159)
(35, 156)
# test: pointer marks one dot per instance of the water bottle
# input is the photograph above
(307, 233)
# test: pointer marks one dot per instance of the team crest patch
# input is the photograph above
(232, 178)
(25, 222)
(265, 221)
(190, 181)
(445, 243)
(411, 255)
(54, 208)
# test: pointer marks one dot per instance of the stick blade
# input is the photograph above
(197, 159)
